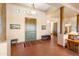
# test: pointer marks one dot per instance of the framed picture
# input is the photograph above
(14, 26)
(43, 27)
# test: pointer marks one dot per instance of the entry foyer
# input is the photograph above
(39, 29)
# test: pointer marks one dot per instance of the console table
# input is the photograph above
(46, 37)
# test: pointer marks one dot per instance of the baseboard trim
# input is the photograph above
(59, 45)
(31, 41)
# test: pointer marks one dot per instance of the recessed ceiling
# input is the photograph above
(42, 6)
(70, 9)
(75, 5)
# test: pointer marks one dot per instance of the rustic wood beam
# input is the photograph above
(61, 18)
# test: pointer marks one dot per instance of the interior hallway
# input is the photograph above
(41, 48)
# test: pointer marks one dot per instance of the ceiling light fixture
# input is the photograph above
(48, 21)
(33, 9)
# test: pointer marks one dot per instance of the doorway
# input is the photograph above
(55, 32)
(30, 29)
(55, 29)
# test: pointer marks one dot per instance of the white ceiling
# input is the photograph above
(42, 6)
(67, 13)
(75, 5)
(69, 10)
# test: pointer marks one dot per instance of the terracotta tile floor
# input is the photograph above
(44, 48)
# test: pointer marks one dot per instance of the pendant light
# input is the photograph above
(33, 9)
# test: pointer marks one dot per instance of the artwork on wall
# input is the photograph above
(43, 27)
(14, 26)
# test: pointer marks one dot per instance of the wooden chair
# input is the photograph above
(73, 45)
(70, 45)
(76, 47)
(27, 42)
(14, 41)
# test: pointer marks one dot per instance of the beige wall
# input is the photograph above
(71, 20)
(14, 17)
(73, 23)
(19, 18)
(56, 18)
(3, 49)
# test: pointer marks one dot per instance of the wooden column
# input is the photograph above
(61, 18)
(78, 23)
(3, 15)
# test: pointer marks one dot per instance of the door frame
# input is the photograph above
(36, 26)
(55, 27)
